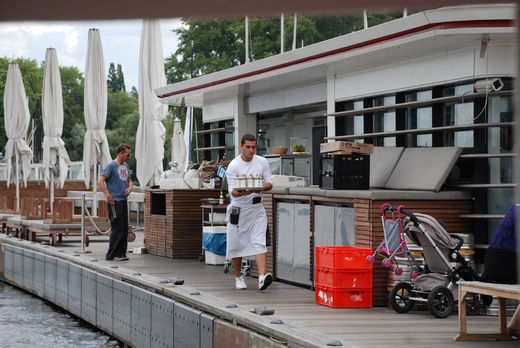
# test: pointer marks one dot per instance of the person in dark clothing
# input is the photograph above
(500, 262)
(116, 184)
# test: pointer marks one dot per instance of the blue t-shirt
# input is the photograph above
(505, 234)
(117, 179)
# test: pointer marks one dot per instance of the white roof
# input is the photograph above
(386, 42)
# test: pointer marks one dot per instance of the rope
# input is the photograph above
(95, 226)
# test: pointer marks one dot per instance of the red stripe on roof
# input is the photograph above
(364, 44)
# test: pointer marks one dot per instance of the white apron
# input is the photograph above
(247, 239)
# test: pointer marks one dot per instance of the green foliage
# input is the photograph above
(72, 84)
(75, 140)
(220, 44)
(124, 131)
(118, 105)
(120, 78)
(115, 79)
(134, 94)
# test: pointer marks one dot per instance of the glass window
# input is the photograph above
(384, 121)
(419, 118)
(230, 136)
(353, 125)
(457, 114)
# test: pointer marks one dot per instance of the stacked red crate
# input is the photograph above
(343, 278)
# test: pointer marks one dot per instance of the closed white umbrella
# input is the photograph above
(149, 143)
(16, 120)
(188, 131)
(54, 152)
(95, 145)
(178, 145)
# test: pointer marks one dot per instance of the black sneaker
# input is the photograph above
(117, 258)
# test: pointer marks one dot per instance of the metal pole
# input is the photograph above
(94, 191)
(282, 20)
(365, 19)
(294, 32)
(52, 188)
(83, 223)
(247, 40)
(52, 180)
(16, 167)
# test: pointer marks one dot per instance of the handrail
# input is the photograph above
(215, 130)
(419, 103)
(215, 148)
(488, 155)
(422, 131)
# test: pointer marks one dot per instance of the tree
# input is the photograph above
(219, 44)
(134, 93)
(120, 78)
(116, 79)
(112, 78)
(124, 131)
(119, 104)
(75, 140)
(72, 84)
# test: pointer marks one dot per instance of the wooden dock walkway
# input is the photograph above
(305, 323)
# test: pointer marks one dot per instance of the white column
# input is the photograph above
(244, 123)
(331, 104)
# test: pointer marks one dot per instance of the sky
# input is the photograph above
(120, 40)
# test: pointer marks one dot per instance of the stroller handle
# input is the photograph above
(399, 209)
(385, 207)
(411, 216)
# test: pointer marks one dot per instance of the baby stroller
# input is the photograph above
(394, 245)
(444, 266)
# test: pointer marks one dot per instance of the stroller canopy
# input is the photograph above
(438, 234)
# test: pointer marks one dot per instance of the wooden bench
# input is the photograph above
(502, 291)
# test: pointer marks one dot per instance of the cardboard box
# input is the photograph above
(346, 148)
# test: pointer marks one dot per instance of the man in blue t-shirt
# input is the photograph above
(116, 184)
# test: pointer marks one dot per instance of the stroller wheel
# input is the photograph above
(400, 297)
(386, 262)
(414, 274)
(371, 259)
(398, 271)
(440, 302)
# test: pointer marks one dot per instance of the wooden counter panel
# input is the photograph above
(177, 233)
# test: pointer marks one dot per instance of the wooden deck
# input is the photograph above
(306, 324)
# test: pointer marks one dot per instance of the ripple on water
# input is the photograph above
(27, 321)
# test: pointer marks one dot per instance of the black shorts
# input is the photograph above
(500, 266)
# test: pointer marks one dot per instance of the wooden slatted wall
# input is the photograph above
(178, 233)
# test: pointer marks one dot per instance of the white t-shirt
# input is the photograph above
(258, 166)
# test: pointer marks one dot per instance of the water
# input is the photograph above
(28, 321)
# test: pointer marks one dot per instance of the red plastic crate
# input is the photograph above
(343, 298)
(340, 278)
(343, 257)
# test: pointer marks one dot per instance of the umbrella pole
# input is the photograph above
(94, 190)
(17, 182)
(83, 223)
(52, 182)
(52, 189)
